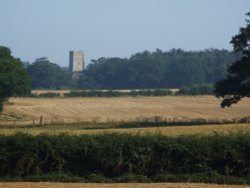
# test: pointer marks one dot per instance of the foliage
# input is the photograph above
(197, 89)
(123, 157)
(111, 93)
(49, 95)
(47, 75)
(53, 177)
(171, 69)
(45, 95)
(86, 82)
(13, 78)
(237, 83)
(146, 70)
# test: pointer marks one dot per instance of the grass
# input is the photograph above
(74, 110)
(101, 128)
(12, 117)
(119, 185)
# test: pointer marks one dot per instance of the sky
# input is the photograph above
(116, 28)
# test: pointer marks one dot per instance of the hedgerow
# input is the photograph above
(112, 93)
(213, 158)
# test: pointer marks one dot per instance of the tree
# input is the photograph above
(237, 83)
(170, 69)
(47, 75)
(13, 78)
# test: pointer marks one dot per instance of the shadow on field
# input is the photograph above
(140, 123)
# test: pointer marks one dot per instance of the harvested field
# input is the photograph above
(72, 110)
(126, 185)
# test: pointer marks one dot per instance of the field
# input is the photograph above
(129, 185)
(23, 111)
(135, 116)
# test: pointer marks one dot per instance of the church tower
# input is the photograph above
(76, 63)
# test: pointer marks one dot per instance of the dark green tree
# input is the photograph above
(13, 78)
(237, 83)
(47, 75)
(171, 69)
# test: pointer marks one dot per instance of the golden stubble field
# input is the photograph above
(72, 110)
(124, 185)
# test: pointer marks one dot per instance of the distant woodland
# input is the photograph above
(146, 70)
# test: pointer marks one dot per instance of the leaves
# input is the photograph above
(171, 69)
(45, 74)
(237, 83)
(116, 155)
(13, 78)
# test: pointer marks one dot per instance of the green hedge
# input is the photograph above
(43, 95)
(111, 93)
(197, 89)
(125, 158)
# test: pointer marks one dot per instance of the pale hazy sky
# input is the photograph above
(116, 28)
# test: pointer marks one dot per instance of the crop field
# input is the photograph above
(23, 111)
(127, 185)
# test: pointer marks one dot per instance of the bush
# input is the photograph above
(43, 95)
(132, 178)
(54, 177)
(111, 93)
(199, 89)
(49, 95)
(98, 178)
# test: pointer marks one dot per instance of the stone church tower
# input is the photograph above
(76, 63)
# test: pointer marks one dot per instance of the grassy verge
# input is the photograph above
(127, 127)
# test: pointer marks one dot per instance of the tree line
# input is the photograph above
(146, 70)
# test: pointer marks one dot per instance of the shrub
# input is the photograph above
(98, 178)
(197, 89)
(111, 93)
(132, 178)
(54, 177)
(49, 95)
